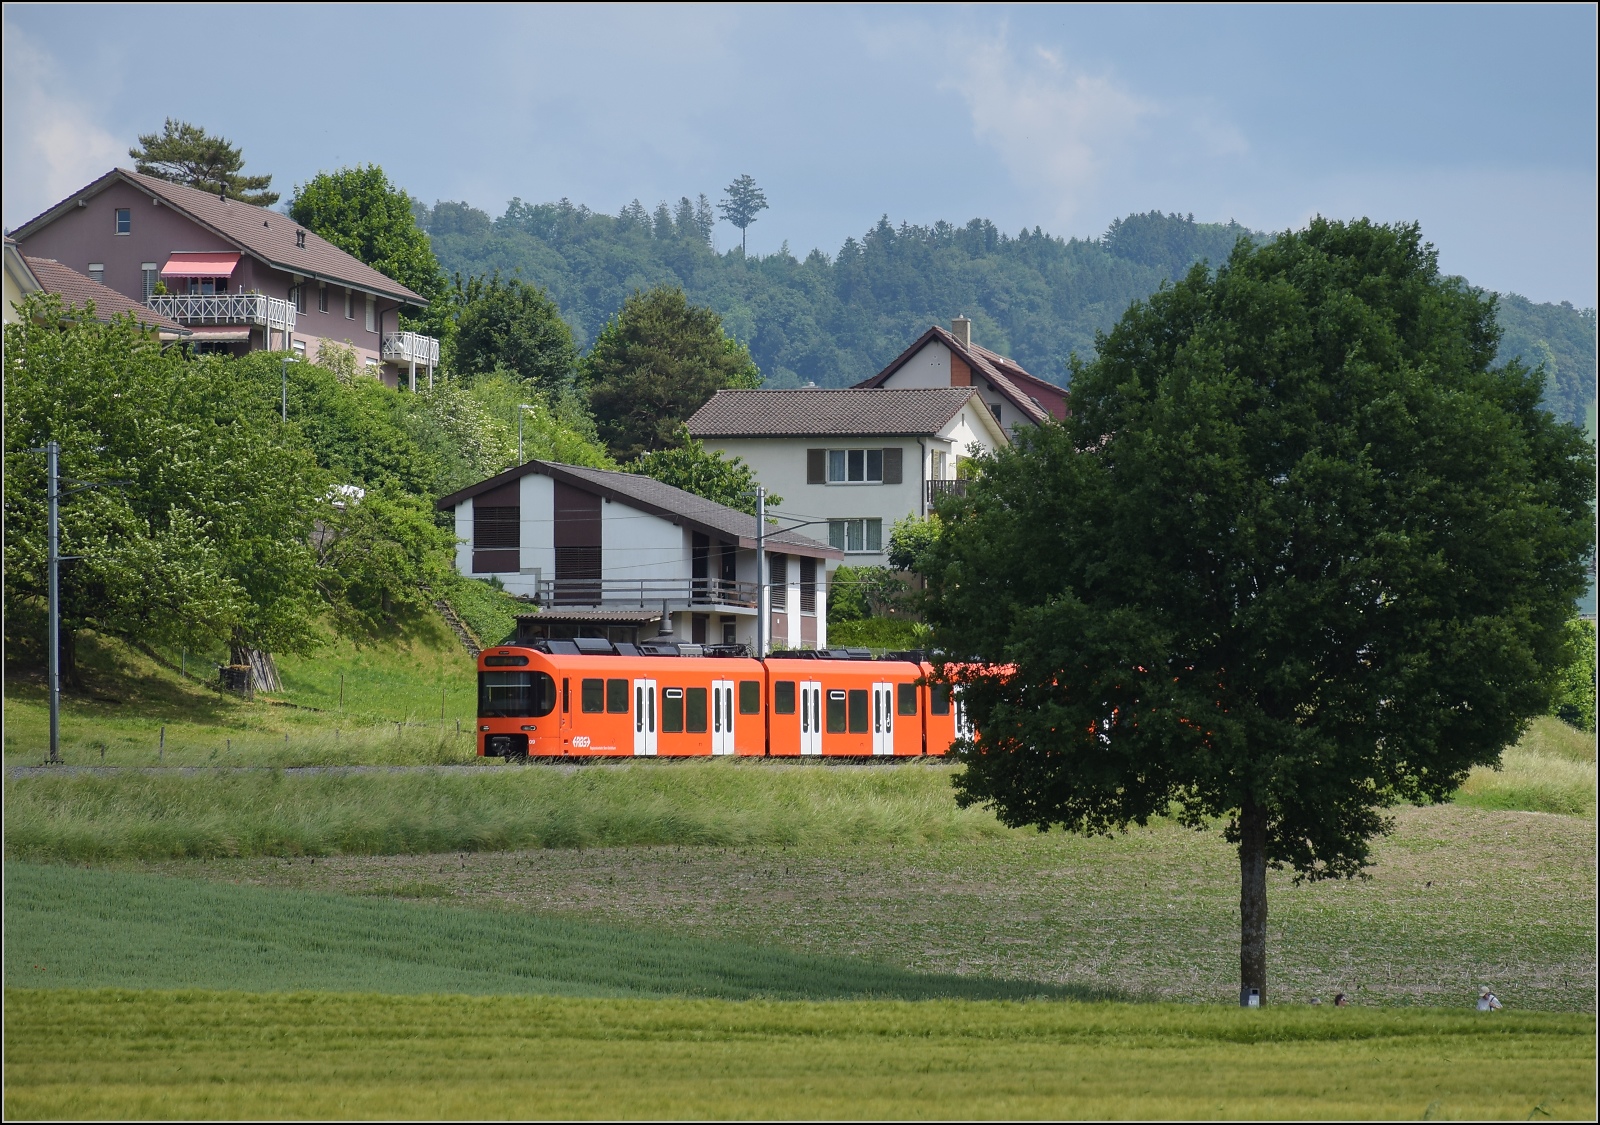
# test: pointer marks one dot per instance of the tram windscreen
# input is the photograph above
(515, 695)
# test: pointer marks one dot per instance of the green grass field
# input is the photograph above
(232, 1055)
(76, 928)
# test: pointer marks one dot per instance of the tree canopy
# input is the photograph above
(655, 363)
(362, 213)
(710, 473)
(187, 154)
(1301, 551)
(513, 326)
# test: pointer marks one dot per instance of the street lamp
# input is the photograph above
(286, 389)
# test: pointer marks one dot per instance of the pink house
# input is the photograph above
(240, 278)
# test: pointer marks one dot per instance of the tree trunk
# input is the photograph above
(1252, 902)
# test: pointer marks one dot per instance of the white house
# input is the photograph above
(940, 358)
(853, 461)
(625, 557)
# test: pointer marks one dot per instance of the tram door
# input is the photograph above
(644, 718)
(722, 716)
(883, 718)
(810, 718)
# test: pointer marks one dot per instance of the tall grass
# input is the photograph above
(1551, 770)
(124, 1054)
(273, 813)
(71, 927)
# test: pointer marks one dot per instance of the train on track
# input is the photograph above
(590, 698)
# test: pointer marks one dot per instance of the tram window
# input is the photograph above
(858, 712)
(906, 697)
(515, 695)
(505, 661)
(940, 704)
(617, 697)
(783, 697)
(836, 724)
(697, 709)
(750, 697)
(672, 710)
(594, 696)
(566, 695)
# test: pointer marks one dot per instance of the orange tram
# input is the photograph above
(590, 698)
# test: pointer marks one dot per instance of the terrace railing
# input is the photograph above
(411, 347)
(938, 488)
(225, 308)
(644, 593)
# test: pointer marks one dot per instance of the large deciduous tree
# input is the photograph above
(363, 214)
(187, 154)
(515, 327)
(704, 472)
(1301, 551)
(655, 363)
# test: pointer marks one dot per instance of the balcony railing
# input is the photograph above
(941, 488)
(644, 593)
(225, 308)
(411, 347)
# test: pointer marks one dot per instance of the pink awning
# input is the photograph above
(218, 334)
(209, 264)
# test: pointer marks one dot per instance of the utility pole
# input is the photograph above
(286, 389)
(52, 456)
(761, 572)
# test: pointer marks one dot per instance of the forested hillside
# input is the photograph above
(836, 319)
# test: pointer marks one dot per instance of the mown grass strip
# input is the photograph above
(73, 927)
(162, 816)
(205, 1054)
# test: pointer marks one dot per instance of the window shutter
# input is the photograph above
(816, 466)
(892, 465)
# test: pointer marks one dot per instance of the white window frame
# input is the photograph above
(855, 536)
(97, 272)
(151, 273)
(854, 466)
(349, 304)
(322, 296)
(372, 314)
(116, 220)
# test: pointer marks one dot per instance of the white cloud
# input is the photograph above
(1056, 130)
(52, 144)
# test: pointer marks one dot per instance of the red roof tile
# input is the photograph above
(77, 291)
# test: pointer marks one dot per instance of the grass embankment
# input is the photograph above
(68, 927)
(397, 701)
(211, 1055)
(147, 816)
(1552, 769)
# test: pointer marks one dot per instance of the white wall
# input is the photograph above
(635, 544)
(464, 537)
(928, 368)
(780, 464)
(537, 532)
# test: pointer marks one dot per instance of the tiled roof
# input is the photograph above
(814, 412)
(651, 495)
(76, 291)
(264, 234)
(990, 365)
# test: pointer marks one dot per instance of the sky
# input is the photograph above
(1477, 122)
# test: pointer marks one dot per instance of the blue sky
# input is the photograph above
(1478, 122)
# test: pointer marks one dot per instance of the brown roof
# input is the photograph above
(814, 412)
(650, 495)
(993, 367)
(267, 235)
(76, 291)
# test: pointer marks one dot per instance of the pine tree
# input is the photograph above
(186, 154)
(745, 201)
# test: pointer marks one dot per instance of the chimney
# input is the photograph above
(961, 329)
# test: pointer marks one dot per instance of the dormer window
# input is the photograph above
(300, 239)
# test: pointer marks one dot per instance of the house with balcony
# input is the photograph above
(238, 278)
(853, 460)
(949, 358)
(625, 557)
